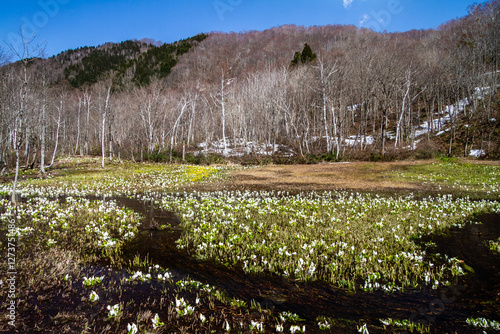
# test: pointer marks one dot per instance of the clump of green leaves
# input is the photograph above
(484, 323)
(91, 281)
(494, 245)
(405, 324)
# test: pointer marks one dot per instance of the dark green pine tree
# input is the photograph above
(307, 54)
(304, 57)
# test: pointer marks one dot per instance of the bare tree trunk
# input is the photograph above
(148, 123)
(325, 123)
(110, 136)
(103, 147)
(273, 130)
(453, 127)
(59, 109)
(28, 148)
(104, 114)
(87, 100)
(223, 107)
(190, 136)
(335, 134)
(383, 132)
(78, 126)
(16, 177)
(306, 139)
(184, 104)
(184, 150)
(403, 110)
(43, 125)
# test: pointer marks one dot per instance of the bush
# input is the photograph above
(157, 157)
(448, 159)
(204, 159)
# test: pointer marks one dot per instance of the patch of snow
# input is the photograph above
(353, 140)
(413, 146)
(391, 135)
(442, 132)
(370, 140)
(477, 153)
(353, 107)
(449, 111)
(480, 92)
(239, 147)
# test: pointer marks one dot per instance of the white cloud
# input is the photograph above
(347, 3)
(364, 19)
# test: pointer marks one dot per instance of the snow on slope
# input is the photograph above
(449, 112)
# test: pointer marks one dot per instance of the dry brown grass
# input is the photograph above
(362, 176)
(354, 175)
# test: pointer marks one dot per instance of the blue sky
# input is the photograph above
(69, 24)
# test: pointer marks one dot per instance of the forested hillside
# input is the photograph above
(290, 92)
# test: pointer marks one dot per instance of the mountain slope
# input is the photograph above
(134, 61)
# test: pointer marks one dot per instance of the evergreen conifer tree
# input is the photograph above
(304, 57)
(307, 54)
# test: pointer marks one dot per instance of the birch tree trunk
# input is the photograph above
(78, 126)
(335, 134)
(403, 109)
(43, 125)
(59, 109)
(87, 100)
(103, 134)
(223, 107)
(324, 76)
(184, 103)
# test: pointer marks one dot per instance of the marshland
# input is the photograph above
(163, 248)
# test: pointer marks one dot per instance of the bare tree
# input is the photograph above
(60, 111)
(28, 50)
(149, 103)
(103, 89)
(104, 114)
(324, 78)
(406, 103)
(43, 119)
(78, 121)
(4, 115)
(220, 98)
(87, 102)
(183, 104)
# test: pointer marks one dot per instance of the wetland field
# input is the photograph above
(360, 247)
